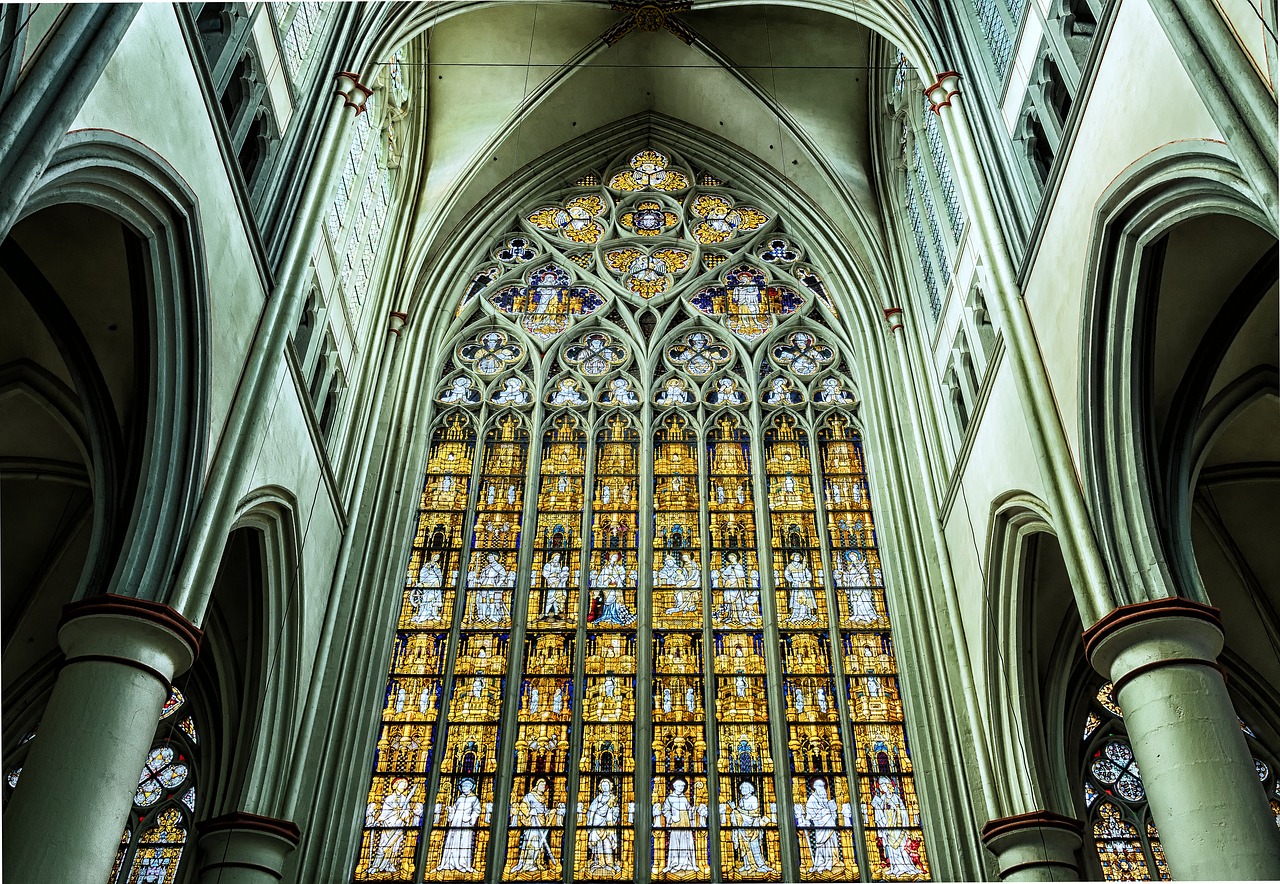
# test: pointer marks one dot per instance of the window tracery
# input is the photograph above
(358, 215)
(934, 216)
(650, 676)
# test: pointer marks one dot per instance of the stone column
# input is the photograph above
(68, 812)
(1089, 579)
(1036, 846)
(1202, 790)
(244, 848)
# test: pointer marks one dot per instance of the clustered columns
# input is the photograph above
(65, 818)
(244, 848)
(1203, 792)
(1038, 846)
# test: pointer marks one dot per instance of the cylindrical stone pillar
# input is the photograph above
(1037, 846)
(69, 809)
(1201, 785)
(244, 848)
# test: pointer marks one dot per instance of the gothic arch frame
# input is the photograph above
(438, 341)
(1018, 698)
(128, 181)
(1137, 528)
(271, 512)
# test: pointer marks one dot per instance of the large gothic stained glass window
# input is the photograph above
(644, 632)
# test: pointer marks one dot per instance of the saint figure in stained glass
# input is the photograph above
(747, 302)
(548, 301)
(898, 845)
(459, 842)
(397, 811)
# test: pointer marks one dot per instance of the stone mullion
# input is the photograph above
(787, 835)
(455, 632)
(642, 791)
(507, 725)
(848, 744)
(573, 777)
(708, 651)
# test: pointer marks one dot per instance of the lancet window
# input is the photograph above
(361, 205)
(934, 218)
(671, 657)
(1124, 836)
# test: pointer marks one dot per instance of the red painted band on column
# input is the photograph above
(936, 106)
(1141, 612)
(243, 821)
(1036, 819)
(138, 609)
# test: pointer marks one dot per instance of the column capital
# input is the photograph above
(943, 89)
(243, 821)
(396, 322)
(1133, 639)
(353, 93)
(893, 316)
(255, 845)
(132, 632)
(1036, 846)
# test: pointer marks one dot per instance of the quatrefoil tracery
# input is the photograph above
(699, 353)
(803, 353)
(595, 354)
(490, 352)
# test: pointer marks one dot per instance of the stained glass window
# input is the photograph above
(934, 218)
(358, 215)
(1125, 839)
(672, 660)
